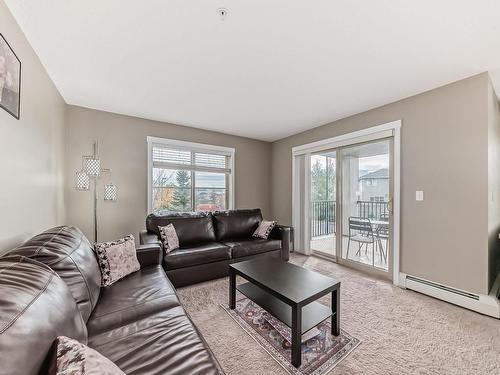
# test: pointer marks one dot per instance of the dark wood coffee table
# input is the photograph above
(288, 292)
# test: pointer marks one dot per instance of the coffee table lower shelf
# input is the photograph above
(312, 314)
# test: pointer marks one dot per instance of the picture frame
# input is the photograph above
(10, 79)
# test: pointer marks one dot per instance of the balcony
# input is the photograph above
(324, 228)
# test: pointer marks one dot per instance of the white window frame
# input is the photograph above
(190, 146)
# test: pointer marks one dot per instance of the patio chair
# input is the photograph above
(361, 231)
(382, 232)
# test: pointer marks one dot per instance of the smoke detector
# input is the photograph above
(222, 13)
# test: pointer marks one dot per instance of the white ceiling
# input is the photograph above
(270, 69)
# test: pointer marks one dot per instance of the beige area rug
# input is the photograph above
(321, 351)
(403, 332)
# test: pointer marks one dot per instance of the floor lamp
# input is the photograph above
(92, 171)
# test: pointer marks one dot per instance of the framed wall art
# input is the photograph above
(10, 79)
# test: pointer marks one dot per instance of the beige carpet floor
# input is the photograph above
(401, 332)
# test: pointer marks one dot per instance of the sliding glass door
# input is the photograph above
(366, 203)
(349, 206)
(322, 205)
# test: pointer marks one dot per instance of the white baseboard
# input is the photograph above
(484, 304)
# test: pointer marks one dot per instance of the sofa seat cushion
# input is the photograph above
(164, 343)
(200, 254)
(132, 298)
(252, 246)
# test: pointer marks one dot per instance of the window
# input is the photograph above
(185, 176)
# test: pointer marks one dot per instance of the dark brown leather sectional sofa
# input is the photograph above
(50, 286)
(209, 242)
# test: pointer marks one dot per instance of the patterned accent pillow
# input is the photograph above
(169, 238)
(264, 229)
(74, 358)
(117, 259)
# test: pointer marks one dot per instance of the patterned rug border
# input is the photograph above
(277, 357)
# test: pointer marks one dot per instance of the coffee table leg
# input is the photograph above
(296, 335)
(336, 309)
(232, 289)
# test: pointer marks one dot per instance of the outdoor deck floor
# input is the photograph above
(326, 244)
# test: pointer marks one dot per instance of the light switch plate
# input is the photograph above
(419, 195)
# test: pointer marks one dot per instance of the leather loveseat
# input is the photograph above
(209, 242)
(50, 286)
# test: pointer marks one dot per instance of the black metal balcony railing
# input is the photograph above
(323, 215)
(373, 210)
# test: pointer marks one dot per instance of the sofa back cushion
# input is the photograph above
(36, 306)
(236, 224)
(67, 251)
(191, 227)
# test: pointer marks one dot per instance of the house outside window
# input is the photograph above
(374, 185)
(187, 176)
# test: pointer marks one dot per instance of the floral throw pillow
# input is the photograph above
(169, 238)
(74, 358)
(264, 229)
(117, 259)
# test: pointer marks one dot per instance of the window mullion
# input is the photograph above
(226, 186)
(193, 183)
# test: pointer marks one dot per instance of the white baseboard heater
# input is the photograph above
(484, 304)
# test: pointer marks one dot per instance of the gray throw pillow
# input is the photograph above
(117, 259)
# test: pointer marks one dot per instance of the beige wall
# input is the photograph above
(445, 153)
(31, 149)
(450, 149)
(493, 183)
(123, 148)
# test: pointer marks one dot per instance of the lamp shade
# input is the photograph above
(92, 166)
(82, 181)
(110, 192)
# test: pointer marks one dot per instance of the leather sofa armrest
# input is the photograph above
(149, 255)
(148, 238)
(283, 233)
